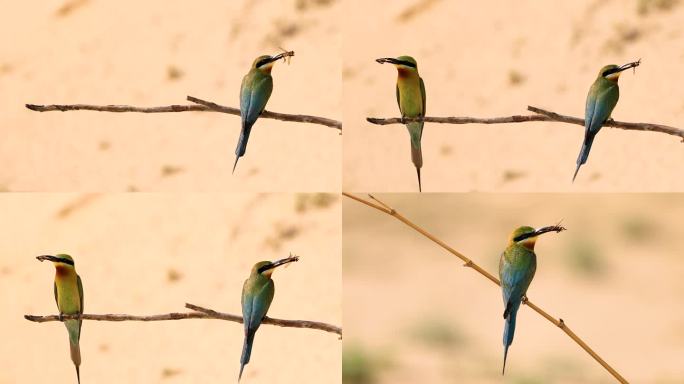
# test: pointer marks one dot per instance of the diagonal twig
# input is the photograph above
(380, 206)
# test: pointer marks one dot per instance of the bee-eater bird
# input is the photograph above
(602, 98)
(69, 297)
(255, 91)
(257, 295)
(411, 100)
(516, 270)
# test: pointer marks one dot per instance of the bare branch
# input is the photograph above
(540, 115)
(469, 263)
(200, 313)
(198, 106)
(116, 108)
(271, 115)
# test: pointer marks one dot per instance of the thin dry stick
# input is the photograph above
(199, 105)
(541, 115)
(200, 313)
(469, 263)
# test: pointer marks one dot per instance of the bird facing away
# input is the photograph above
(516, 270)
(255, 91)
(257, 295)
(69, 297)
(602, 98)
(411, 100)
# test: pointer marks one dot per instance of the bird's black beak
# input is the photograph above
(633, 64)
(281, 56)
(621, 68)
(540, 231)
(388, 60)
(54, 259)
(275, 264)
(48, 258)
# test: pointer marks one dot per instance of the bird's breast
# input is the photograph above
(410, 97)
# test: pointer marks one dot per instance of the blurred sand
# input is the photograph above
(614, 276)
(493, 58)
(150, 254)
(156, 53)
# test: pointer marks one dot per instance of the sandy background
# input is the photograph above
(493, 58)
(156, 53)
(150, 254)
(412, 313)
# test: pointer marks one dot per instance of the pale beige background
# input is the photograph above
(494, 58)
(155, 53)
(150, 254)
(615, 276)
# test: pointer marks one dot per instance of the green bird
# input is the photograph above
(516, 270)
(69, 297)
(411, 100)
(257, 295)
(601, 100)
(255, 91)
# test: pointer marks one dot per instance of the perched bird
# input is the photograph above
(411, 100)
(257, 295)
(255, 91)
(516, 270)
(602, 98)
(69, 298)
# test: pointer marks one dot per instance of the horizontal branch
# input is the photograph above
(271, 115)
(198, 106)
(200, 313)
(540, 115)
(380, 206)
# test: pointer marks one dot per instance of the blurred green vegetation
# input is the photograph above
(644, 7)
(528, 380)
(358, 365)
(307, 201)
(584, 259)
(515, 78)
(638, 229)
(436, 332)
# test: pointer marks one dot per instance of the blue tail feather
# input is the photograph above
(584, 153)
(246, 352)
(509, 332)
(242, 142)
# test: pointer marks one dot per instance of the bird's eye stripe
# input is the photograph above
(407, 63)
(263, 62)
(522, 237)
(66, 261)
(610, 71)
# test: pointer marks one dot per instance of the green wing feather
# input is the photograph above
(80, 296)
(423, 113)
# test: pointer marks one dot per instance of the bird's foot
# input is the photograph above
(524, 300)
(61, 317)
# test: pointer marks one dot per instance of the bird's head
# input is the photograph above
(265, 63)
(61, 261)
(612, 72)
(266, 268)
(404, 64)
(527, 236)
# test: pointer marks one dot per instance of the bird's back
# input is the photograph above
(254, 94)
(516, 270)
(601, 100)
(257, 295)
